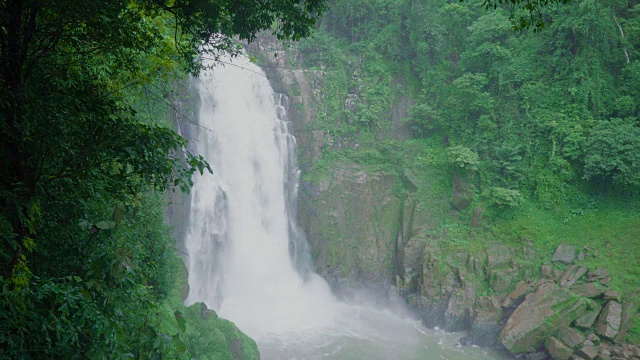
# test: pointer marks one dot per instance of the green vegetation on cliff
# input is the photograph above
(500, 134)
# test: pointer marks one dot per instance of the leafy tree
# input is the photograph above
(614, 151)
(525, 13)
(81, 273)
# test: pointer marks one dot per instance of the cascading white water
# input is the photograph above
(247, 258)
(239, 242)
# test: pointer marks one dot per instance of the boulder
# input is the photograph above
(589, 290)
(611, 295)
(547, 272)
(605, 281)
(536, 356)
(570, 337)
(522, 289)
(456, 317)
(593, 338)
(626, 321)
(624, 351)
(587, 319)
(635, 350)
(539, 317)
(588, 352)
(599, 274)
(588, 342)
(565, 254)
(571, 275)
(609, 320)
(604, 354)
(558, 350)
(486, 322)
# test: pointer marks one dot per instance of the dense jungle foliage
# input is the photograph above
(87, 268)
(537, 132)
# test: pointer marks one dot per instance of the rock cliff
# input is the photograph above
(367, 230)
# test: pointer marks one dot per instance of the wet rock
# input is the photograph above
(588, 352)
(587, 319)
(456, 317)
(206, 313)
(557, 349)
(538, 317)
(487, 321)
(590, 290)
(536, 356)
(570, 337)
(571, 275)
(609, 320)
(564, 254)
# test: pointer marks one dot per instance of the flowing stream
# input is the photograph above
(248, 259)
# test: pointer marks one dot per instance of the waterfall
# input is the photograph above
(248, 259)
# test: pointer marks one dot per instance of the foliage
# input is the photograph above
(86, 89)
(525, 13)
(546, 119)
(614, 151)
(506, 197)
(510, 97)
(463, 157)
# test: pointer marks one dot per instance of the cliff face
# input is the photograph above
(374, 228)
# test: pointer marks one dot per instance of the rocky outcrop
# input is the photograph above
(209, 337)
(609, 320)
(539, 316)
(557, 349)
(352, 220)
(564, 254)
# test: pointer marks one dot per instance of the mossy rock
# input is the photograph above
(209, 337)
(540, 316)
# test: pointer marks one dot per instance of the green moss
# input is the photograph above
(213, 338)
(612, 229)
